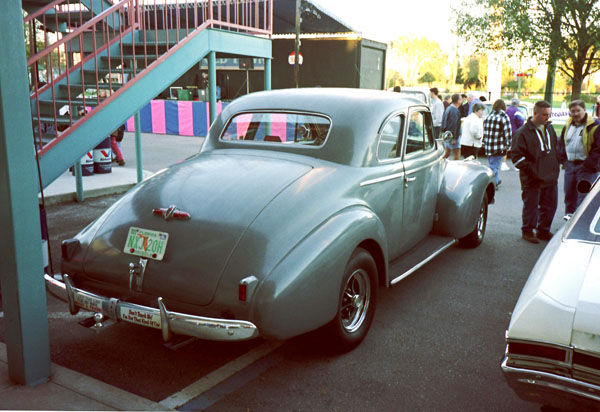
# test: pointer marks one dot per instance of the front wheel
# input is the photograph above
(475, 238)
(357, 302)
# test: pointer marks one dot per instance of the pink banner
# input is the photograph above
(159, 124)
(242, 122)
(186, 118)
(279, 126)
(219, 109)
(130, 126)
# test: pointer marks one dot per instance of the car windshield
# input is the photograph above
(419, 95)
(278, 128)
(587, 227)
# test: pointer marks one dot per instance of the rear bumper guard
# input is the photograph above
(168, 322)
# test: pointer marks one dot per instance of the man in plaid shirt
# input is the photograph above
(496, 136)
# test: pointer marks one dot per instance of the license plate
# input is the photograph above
(141, 317)
(146, 243)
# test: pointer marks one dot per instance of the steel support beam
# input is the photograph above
(21, 277)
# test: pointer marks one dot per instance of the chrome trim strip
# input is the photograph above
(168, 322)
(518, 377)
(423, 262)
(399, 174)
(382, 179)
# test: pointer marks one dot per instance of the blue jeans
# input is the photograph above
(495, 162)
(539, 206)
(573, 174)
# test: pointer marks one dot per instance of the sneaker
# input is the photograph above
(504, 166)
(121, 162)
(530, 237)
(543, 234)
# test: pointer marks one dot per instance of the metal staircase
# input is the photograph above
(92, 64)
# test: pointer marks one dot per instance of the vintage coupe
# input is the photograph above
(553, 339)
(300, 204)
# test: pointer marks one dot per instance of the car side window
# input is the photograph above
(419, 137)
(390, 141)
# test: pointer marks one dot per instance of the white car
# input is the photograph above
(553, 340)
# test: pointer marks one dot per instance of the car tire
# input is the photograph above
(356, 304)
(475, 238)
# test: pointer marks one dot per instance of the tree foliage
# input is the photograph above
(416, 56)
(553, 31)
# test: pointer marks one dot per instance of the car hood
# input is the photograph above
(560, 303)
(223, 194)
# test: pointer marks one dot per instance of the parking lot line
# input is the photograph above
(219, 375)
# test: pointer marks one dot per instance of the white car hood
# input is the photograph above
(560, 303)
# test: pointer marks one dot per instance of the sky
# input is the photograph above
(385, 20)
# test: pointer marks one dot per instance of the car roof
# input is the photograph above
(356, 117)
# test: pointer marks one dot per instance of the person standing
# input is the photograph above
(472, 99)
(497, 137)
(517, 119)
(578, 152)
(451, 123)
(437, 111)
(597, 108)
(534, 153)
(472, 132)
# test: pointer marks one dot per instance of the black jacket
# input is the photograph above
(537, 163)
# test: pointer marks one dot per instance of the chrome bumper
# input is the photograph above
(550, 389)
(168, 322)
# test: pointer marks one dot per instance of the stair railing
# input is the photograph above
(151, 29)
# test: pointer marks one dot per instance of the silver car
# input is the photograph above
(553, 340)
(299, 206)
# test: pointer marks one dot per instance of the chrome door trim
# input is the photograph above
(382, 179)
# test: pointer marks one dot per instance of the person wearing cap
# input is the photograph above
(451, 123)
(516, 121)
(437, 111)
(579, 152)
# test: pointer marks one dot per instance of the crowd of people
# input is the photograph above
(533, 146)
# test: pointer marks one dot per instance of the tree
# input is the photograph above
(562, 33)
(427, 78)
(413, 55)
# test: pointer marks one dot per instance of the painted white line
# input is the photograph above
(219, 375)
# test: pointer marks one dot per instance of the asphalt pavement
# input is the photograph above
(435, 344)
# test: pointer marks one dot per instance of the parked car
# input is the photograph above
(299, 206)
(553, 340)
(421, 93)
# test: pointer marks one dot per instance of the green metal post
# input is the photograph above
(78, 181)
(267, 74)
(138, 148)
(21, 277)
(212, 85)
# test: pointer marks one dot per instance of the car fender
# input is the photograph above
(459, 199)
(301, 293)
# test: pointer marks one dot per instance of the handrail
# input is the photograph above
(76, 33)
(71, 68)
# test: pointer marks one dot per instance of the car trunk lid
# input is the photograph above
(223, 195)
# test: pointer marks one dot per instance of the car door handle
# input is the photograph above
(407, 180)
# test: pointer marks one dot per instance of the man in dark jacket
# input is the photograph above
(578, 152)
(534, 153)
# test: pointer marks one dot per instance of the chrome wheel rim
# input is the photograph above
(481, 222)
(355, 300)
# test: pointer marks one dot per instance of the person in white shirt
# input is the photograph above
(437, 111)
(472, 132)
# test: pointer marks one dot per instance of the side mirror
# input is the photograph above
(447, 136)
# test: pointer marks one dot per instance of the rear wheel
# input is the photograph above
(475, 238)
(357, 302)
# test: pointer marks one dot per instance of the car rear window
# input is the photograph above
(278, 128)
(587, 227)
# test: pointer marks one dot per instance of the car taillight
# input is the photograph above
(242, 292)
